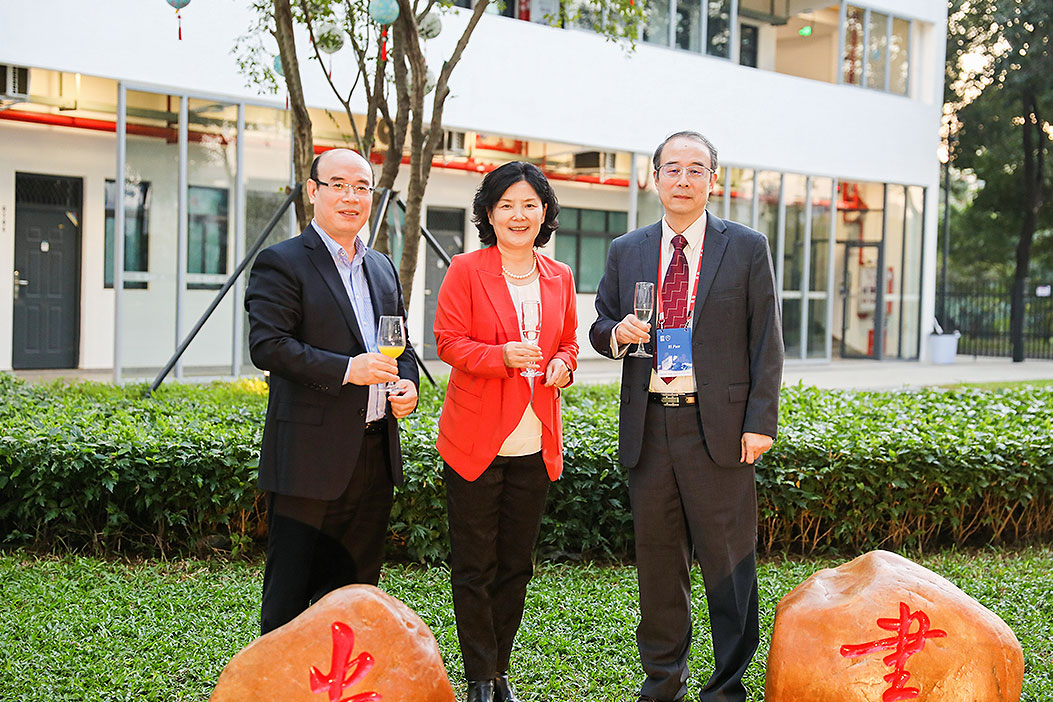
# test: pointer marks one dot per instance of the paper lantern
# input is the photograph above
(278, 66)
(430, 26)
(328, 38)
(384, 11)
(429, 81)
(179, 5)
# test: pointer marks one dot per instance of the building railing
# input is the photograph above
(981, 313)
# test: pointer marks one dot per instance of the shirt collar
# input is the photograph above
(335, 248)
(693, 233)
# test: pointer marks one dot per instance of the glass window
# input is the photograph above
(718, 28)
(740, 194)
(817, 328)
(136, 231)
(806, 45)
(795, 235)
(748, 39)
(820, 256)
(207, 230)
(689, 25)
(911, 278)
(656, 29)
(877, 51)
(791, 325)
(852, 60)
(899, 56)
(582, 241)
(768, 186)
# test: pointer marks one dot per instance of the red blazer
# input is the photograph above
(485, 399)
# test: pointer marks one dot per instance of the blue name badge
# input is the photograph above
(673, 349)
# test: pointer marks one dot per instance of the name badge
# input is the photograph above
(673, 349)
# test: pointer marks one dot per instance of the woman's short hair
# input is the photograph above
(494, 186)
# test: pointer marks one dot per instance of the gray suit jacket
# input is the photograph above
(736, 337)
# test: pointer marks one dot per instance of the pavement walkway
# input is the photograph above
(846, 374)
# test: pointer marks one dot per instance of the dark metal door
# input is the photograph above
(447, 225)
(47, 272)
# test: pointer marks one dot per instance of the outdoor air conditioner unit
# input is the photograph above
(14, 84)
(455, 141)
(594, 161)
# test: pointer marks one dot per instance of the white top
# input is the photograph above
(525, 439)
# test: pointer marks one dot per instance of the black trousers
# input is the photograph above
(317, 546)
(683, 503)
(494, 523)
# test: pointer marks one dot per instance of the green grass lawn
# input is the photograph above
(84, 629)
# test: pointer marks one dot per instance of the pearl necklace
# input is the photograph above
(529, 273)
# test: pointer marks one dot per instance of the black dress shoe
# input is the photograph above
(648, 698)
(503, 691)
(480, 691)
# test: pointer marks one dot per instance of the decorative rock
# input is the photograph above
(356, 644)
(882, 628)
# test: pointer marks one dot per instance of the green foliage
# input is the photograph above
(98, 467)
(85, 630)
(999, 91)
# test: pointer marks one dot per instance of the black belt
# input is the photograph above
(377, 426)
(672, 399)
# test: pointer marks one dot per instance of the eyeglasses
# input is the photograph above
(693, 172)
(341, 188)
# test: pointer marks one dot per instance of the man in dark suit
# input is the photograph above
(689, 436)
(330, 457)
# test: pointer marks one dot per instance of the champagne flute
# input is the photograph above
(531, 327)
(643, 306)
(391, 340)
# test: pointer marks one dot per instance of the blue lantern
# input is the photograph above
(179, 4)
(278, 66)
(384, 11)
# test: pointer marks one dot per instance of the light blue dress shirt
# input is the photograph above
(353, 276)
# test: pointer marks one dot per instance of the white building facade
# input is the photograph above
(825, 115)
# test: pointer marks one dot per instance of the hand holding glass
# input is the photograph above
(391, 340)
(531, 327)
(643, 306)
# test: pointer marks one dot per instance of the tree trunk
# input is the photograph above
(1033, 173)
(303, 138)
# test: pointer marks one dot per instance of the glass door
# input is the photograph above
(860, 299)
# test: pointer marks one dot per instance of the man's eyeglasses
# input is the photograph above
(693, 172)
(341, 188)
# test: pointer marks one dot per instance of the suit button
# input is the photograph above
(361, 413)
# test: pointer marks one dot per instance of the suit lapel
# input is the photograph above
(496, 288)
(650, 254)
(712, 251)
(551, 305)
(382, 293)
(323, 262)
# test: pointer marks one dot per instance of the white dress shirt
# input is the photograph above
(353, 276)
(695, 235)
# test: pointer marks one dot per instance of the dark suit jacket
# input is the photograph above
(302, 329)
(736, 340)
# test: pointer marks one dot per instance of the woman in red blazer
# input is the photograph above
(500, 434)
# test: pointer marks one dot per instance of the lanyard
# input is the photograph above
(694, 290)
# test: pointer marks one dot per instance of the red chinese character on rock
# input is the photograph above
(343, 671)
(905, 643)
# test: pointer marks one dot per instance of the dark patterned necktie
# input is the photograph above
(674, 290)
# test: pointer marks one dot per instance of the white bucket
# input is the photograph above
(943, 347)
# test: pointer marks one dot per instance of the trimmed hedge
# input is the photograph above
(99, 467)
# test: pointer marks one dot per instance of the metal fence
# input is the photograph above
(981, 313)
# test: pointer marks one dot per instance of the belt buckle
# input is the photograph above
(670, 399)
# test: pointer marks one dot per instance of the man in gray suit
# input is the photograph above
(695, 417)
